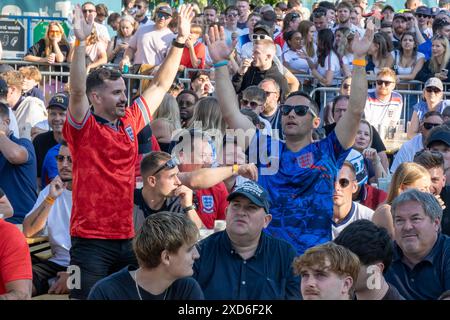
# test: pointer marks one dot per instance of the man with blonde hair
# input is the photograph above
(383, 105)
(328, 272)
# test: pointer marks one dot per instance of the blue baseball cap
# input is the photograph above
(252, 191)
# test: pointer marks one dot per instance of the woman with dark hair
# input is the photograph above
(378, 54)
(291, 58)
(407, 61)
(328, 68)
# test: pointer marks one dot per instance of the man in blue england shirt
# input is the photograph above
(301, 173)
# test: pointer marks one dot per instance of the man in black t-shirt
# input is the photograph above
(57, 108)
(165, 250)
(373, 247)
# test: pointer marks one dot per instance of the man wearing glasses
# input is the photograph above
(51, 213)
(90, 12)
(231, 20)
(301, 173)
(345, 210)
(384, 106)
(151, 42)
(140, 7)
(407, 151)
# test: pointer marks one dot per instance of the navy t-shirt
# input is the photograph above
(121, 286)
(300, 187)
(19, 181)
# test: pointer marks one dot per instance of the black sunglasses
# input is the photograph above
(61, 158)
(343, 182)
(386, 83)
(252, 104)
(88, 11)
(346, 86)
(419, 15)
(138, 6)
(170, 164)
(429, 125)
(300, 110)
(432, 89)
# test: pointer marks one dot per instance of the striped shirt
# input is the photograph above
(383, 114)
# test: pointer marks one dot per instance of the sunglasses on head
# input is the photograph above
(252, 104)
(61, 158)
(300, 110)
(170, 164)
(343, 182)
(319, 14)
(386, 83)
(432, 89)
(429, 125)
(260, 36)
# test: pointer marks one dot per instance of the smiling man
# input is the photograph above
(57, 109)
(421, 266)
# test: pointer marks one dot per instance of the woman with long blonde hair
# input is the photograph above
(407, 176)
(439, 64)
(207, 114)
(53, 48)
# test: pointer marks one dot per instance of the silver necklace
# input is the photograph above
(137, 287)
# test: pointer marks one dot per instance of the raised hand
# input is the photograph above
(185, 17)
(360, 46)
(56, 187)
(217, 47)
(81, 27)
(248, 171)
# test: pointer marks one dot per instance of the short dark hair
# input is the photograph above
(151, 161)
(369, 242)
(229, 8)
(97, 78)
(312, 103)
(429, 159)
(4, 111)
(327, 5)
(112, 17)
(191, 92)
(337, 99)
(438, 24)
(433, 114)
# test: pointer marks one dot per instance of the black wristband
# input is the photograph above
(189, 208)
(177, 44)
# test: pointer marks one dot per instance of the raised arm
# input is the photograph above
(348, 125)
(79, 103)
(208, 177)
(226, 95)
(169, 68)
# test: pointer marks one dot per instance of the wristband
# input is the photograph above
(235, 169)
(220, 64)
(177, 44)
(79, 43)
(49, 200)
(189, 208)
(359, 63)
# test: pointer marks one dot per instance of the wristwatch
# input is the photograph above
(189, 208)
(177, 44)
